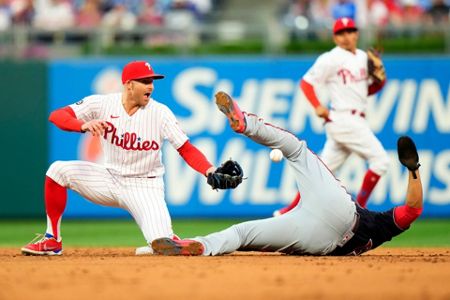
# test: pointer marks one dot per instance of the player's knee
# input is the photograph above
(56, 169)
(380, 165)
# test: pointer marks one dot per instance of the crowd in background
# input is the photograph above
(127, 14)
(71, 22)
(123, 14)
(301, 14)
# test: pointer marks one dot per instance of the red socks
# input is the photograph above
(55, 203)
(369, 183)
(404, 215)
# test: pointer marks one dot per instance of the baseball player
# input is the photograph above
(325, 222)
(132, 127)
(344, 72)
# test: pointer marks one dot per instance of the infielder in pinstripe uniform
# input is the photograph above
(132, 127)
(344, 72)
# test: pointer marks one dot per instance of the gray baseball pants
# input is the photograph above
(321, 221)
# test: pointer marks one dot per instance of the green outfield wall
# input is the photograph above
(23, 135)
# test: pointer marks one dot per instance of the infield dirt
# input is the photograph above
(115, 273)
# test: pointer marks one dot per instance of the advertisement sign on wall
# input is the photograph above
(414, 102)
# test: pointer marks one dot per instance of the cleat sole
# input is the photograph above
(28, 252)
(225, 105)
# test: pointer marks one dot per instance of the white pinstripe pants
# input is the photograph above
(349, 133)
(143, 198)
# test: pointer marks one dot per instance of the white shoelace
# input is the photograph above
(38, 238)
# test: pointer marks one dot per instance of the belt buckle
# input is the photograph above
(349, 233)
(347, 236)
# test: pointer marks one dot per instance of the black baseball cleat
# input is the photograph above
(407, 154)
(169, 247)
(232, 111)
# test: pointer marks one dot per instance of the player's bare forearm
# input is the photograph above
(308, 90)
(414, 194)
(322, 112)
(95, 127)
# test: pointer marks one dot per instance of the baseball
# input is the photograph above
(276, 155)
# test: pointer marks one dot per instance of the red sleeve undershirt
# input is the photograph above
(404, 215)
(310, 94)
(375, 87)
(194, 158)
(65, 119)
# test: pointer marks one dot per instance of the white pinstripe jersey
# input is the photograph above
(345, 75)
(132, 144)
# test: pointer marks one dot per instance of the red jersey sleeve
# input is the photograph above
(310, 94)
(65, 119)
(194, 158)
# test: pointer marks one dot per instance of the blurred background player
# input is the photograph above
(327, 222)
(343, 71)
(132, 127)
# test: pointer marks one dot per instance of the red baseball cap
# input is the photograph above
(138, 70)
(343, 24)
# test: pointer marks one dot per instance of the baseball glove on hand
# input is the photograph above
(227, 176)
(375, 66)
(407, 154)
